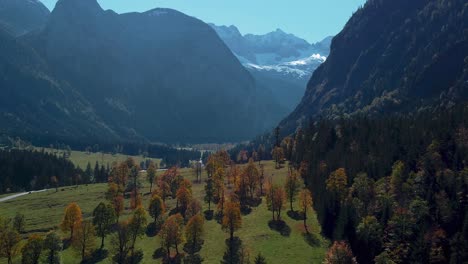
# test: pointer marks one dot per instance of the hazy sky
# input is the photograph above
(310, 19)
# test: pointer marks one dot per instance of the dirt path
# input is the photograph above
(13, 196)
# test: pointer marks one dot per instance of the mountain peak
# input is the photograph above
(78, 6)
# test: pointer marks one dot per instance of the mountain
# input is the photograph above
(19, 17)
(392, 56)
(278, 61)
(160, 75)
(34, 102)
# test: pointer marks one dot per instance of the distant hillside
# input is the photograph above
(20, 17)
(392, 56)
(278, 61)
(159, 76)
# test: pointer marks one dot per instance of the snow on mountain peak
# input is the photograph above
(306, 61)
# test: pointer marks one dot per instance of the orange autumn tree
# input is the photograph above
(135, 200)
(194, 231)
(305, 199)
(71, 219)
(340, 253)
(184, 196)
(292, 186)
(84, 241)
(172, 234)
(232, 219)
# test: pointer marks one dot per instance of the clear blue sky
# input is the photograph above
(310, 19)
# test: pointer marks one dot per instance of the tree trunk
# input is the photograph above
(102, 242)
(151, 187)
(177, 248)
(305, 219)
(291, 203)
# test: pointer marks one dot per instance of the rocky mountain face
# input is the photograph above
(392, 56)
(280, 61)
(19, 17)
(160, 75)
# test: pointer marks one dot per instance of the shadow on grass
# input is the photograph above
(311, 239)
(66, 243)
(159, 253)
(296, 215)
(97, 256)
(153, 229)
(209, 214)
(193, 259)
(174, 211)
(136, 258)
(280, 226)
(192, 249)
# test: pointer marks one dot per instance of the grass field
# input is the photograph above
(44, 211)
(81, 158)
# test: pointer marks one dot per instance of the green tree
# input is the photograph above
(9, 240)
(157, 207)
(151, 174)
(121, 242)
(53, 245)
(209, 192)
(103, 219)
(369, 233)
(137, 226)
(291, 187)
(31, 251)
(19, 222)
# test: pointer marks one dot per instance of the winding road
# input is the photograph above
(13, 196)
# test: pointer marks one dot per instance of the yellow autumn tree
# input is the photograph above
(71, 219)
(305, 199)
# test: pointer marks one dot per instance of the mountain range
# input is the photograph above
(391, 57)
(93, 74)
(277, 60)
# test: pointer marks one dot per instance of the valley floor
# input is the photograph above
(43, 212)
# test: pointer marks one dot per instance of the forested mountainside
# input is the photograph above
(34, 102)
(392, 56)
(277, 60)
(20, 17)
(380, 137)
(158, 76)
(395, 188)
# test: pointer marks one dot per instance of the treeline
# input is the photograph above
(394, 188)
(33, 170)
(170, 155)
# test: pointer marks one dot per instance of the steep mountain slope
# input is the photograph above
(20, 17)
(392, 56)
(278, 61)
(33, 102)
(159, 75)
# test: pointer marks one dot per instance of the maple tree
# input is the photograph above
(71, 219)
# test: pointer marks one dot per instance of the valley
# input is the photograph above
(138, 134)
